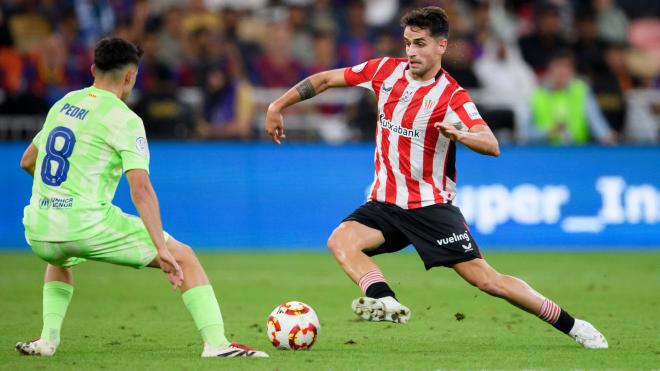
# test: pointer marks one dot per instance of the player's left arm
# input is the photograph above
(462, 113)
(29, 158)
(479, 138)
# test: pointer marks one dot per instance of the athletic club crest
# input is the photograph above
(427, 104)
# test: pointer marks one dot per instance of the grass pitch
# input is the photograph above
(122, 318)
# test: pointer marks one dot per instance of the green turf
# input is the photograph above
(122, 318)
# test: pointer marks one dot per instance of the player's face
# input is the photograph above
(424, 52)
(561, 72)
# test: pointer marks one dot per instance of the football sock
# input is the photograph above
(557, 317)
(57, 296)
(205, 310)
(374, 286)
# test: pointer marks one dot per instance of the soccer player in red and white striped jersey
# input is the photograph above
(423, 113)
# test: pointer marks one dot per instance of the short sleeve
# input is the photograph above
(463, 107)
(362, 74)
(131, 143)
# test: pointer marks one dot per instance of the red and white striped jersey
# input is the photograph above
(415, 164)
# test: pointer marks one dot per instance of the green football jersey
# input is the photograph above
(89, 138)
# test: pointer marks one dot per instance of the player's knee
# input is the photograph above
(183, 253)
(340, 241)
(333, 243)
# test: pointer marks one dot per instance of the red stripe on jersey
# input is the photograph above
(430, 141)
(457, 104)
(377, 182)
(384, 72)
(360, 74)
(388, 110)
(432, 136)
(414, 197)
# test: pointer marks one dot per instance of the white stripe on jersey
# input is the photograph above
(367, 84)
(441, 148)
(382, 99)
(441, 153)
(417, 148)
(397, 116)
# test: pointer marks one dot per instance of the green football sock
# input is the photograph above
(57, 296)
(203, 306)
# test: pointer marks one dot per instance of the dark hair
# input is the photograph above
(432, 18)
(112, 53)
(561, 54)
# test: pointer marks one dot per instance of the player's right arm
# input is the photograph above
(308, 88)
(146, 202)
(29, 158)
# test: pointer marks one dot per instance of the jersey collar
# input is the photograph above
(412, 81)
(94, 90)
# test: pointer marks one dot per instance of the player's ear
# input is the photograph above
(93, 68)
(130, 76)
(442, 45)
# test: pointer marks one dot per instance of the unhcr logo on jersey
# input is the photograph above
(387, 124)
(55, 203)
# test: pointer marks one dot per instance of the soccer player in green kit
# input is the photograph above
(89, 138)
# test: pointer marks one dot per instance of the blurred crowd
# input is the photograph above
(560, 72)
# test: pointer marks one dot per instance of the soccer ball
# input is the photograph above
(293, 325)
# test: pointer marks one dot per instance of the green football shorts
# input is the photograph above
(123, 241)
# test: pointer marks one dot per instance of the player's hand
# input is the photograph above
(275, 124)
(171, 268)
(449, 131)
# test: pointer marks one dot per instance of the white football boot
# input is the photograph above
(382, 309)
(38, 347)
(232, 350)
(586, 335)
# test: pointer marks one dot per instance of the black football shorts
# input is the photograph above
(438, 232)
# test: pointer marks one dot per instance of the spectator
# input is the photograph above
(227, 106)
(564, 110)
(11, 64)
(148, 76)
(96, 19)
(355, 43)
(198, 16)
(206, 48)
(324, 56)
(171, 38)
(302, 37)
(504, 75)
(612, 21)
(164, 115)
(587, 47)
(610, 82)
(16, 94)
(458, 61)
(323, 16)
(277, 68)
(545, 41)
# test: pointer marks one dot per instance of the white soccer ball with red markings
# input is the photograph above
(293, 325)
